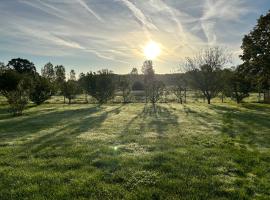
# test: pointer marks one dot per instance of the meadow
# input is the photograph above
(127, 151)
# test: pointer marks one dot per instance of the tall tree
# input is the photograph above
(83, 83)
(48, 72)
(22, 66)
(256, 54)
(72, 75)
(204, 71)
(149, 77)
(60, 78)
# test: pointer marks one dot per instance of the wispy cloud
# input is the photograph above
(84, 5)
(106, 33)
(220, 10)
(139, 15)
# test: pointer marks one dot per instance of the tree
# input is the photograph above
(70, 90)
(134, 71)
(41, 90)
(125, 87)
(204, 71)
(60, 73)
(179, 91)
(16, 88)
(133, 75)
(155, 92)
(256, 54)
(149, 77)
(72, 75)
(60, 78)
(101, 85)
(83, 83)
(180, 88)
(22, 66)
(48, 72)
(237, 85)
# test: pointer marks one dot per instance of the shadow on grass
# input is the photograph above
(251, 125)
(156, 119)
(64, 136)
(200, 116)
(28, 125)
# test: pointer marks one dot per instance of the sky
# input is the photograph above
(88, 35)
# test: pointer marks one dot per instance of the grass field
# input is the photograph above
(117, 151)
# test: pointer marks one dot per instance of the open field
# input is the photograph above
(117, 151)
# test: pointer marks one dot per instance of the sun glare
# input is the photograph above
(152, 50)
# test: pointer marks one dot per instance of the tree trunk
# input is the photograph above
(64, 99)
(69, 101)
(154, 106)
(208, 100)
(185, 96)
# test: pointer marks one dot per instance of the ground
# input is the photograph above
(118, 151)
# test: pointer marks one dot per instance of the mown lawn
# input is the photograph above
(117, 151)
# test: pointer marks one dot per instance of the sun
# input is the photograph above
(152, 50)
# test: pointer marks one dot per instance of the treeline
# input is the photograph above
(206, 72)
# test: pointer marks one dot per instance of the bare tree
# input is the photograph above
(155, 92)
(204, 70)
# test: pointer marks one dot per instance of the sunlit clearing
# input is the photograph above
(152, 50)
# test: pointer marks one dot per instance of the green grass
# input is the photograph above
(116, 151)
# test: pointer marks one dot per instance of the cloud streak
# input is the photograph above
(139, 15)
(113, 33)
(84, 5)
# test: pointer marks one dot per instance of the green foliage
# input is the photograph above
(41, 90)
(60, 77)
(70, 90)
(22, 66)
(236, 85)
(16, 88)
(256, 54)
(48, 72)
(101, 85)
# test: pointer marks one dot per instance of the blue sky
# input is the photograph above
(92, 34)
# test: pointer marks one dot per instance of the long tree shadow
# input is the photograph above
(152, 119)
(22, 127)
(253, 126)
(200, 116)
(64, 137)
